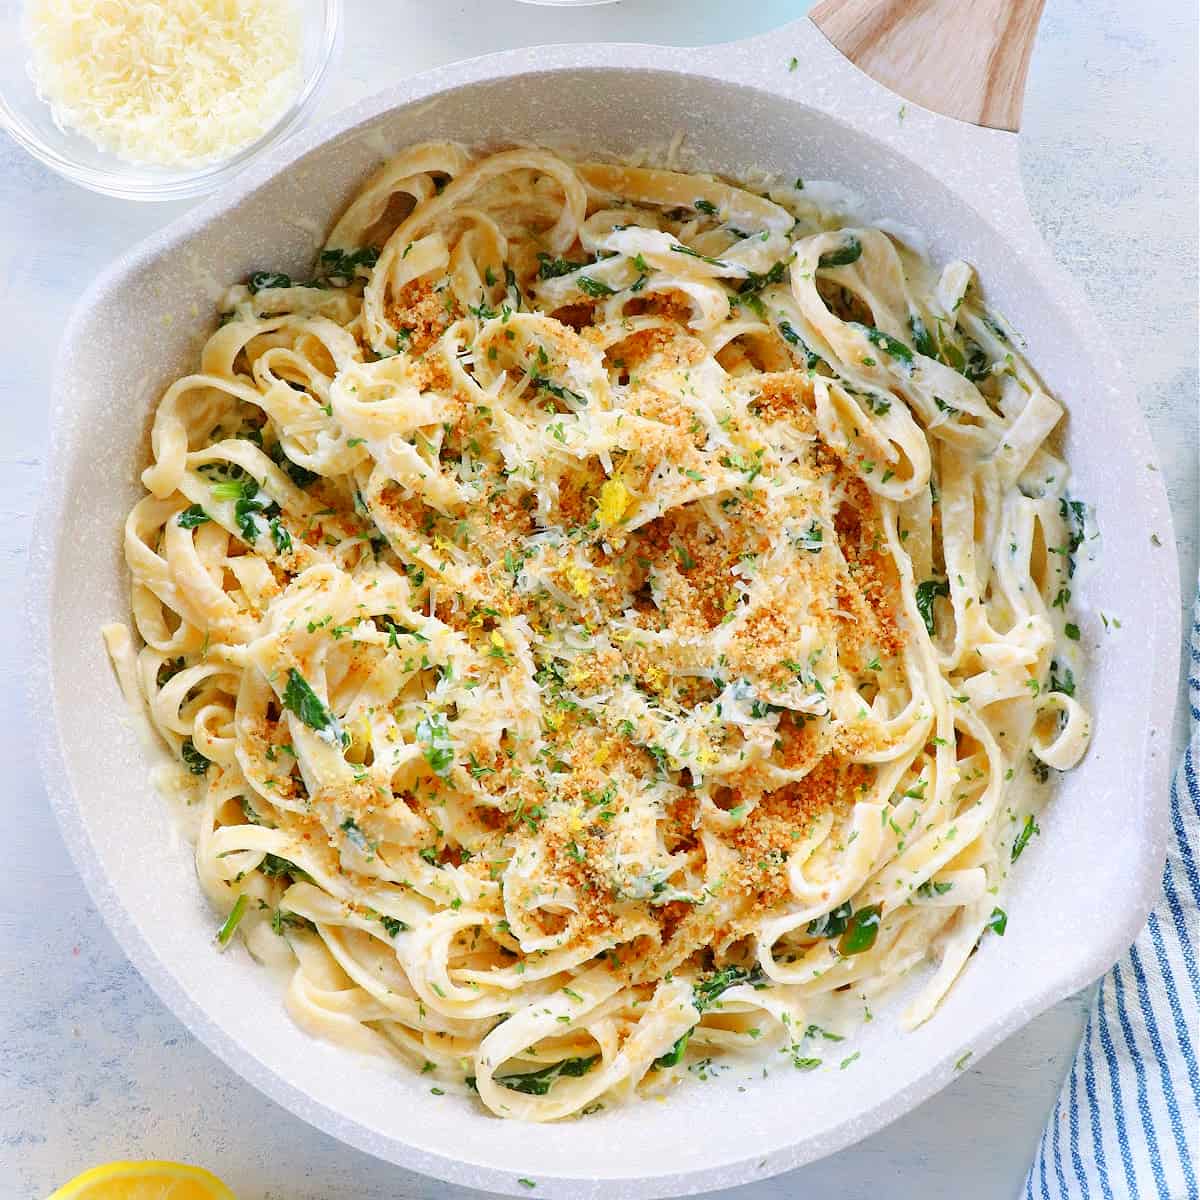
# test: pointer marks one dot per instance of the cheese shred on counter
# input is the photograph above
(170, 82)
(609, 618)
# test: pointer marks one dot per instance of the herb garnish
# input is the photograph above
(712, 262)
(1022, 839)
(594, 287)
(789, 335)
(193, 759)
(434, 735)
(850, 251)
(552, 268)
(339, 267)
(267, 279)
(861, 931)
(921, 336)
(191, 517)
(229, 928)
(272, 866)
(877, 337)
(925, 594)
(538, 1083)
(299, 697)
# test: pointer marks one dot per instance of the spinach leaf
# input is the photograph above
(249, 502)
(789, 335)
(267, 279)
(1074, 514)
(861, 931)
(755, 282)
(552, 268)
(712, 262)
(193, 759)
(193, 516)
(933, 887)
(674, 1056)
(921, 337)
(273, 866)
(299, 475)
(308, 706)
(925, 594)
(594, 287)
(556, 389)
(706, 992)
(280, 536)
(877, 337)
(833, 923)
(340, 267)
(850, 251)
(538, 1083)
(977, 366)
(1065, 683)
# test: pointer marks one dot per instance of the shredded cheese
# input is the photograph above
(173, 82)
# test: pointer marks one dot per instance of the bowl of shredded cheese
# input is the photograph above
(160, 99)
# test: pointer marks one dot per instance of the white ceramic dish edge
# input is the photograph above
(948, 150)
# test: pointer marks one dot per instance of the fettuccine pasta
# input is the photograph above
(606, 618)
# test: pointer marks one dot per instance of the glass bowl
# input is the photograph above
(27, 119)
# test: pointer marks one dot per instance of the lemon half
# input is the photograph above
(144, 1181)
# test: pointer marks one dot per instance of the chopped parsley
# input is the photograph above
(434, 735)
(1022, 839)
(229, 928)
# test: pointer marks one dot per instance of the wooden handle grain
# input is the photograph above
(962, 58)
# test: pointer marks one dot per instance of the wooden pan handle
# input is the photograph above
(965, 59)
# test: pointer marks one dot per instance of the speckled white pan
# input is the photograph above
(1083, 888)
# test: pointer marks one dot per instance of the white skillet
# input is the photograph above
(1083, 887)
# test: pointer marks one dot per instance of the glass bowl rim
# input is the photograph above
(116, 182)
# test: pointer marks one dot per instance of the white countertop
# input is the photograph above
(92, 1067)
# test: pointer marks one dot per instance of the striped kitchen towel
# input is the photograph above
(1127, 1122)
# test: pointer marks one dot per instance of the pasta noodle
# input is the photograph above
(606, 617)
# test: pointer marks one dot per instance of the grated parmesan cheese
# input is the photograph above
(173, 82)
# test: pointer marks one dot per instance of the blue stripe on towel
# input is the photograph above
(1142, 1031)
